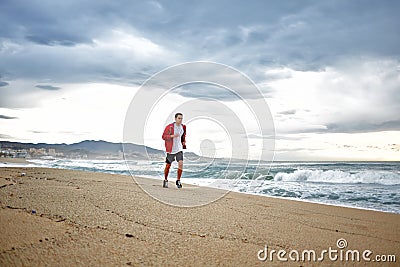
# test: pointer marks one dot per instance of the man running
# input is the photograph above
(175, 141)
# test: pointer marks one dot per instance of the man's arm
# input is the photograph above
(183, 139)
(167, 133)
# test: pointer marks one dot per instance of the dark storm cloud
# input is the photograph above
(359, 127)
(48, 87)
(47, 22)
(205, 91)
(3, 84)
(50, 42)
(7, 117)
(306, 35)
(302, 35)
(213, 92)
(69, 30)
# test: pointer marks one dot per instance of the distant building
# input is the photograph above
(23, 153)
(52, 152)
(41, 151)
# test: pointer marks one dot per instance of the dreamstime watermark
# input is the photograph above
(223, 110)
(332, 254)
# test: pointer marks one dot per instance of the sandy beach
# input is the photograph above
(74, 218)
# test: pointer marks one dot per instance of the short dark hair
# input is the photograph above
(177, 114)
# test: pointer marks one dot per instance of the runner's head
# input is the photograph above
(178, 118)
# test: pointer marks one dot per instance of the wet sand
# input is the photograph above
(64, 217)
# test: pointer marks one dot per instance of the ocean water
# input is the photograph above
(367, 185)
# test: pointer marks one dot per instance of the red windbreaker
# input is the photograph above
(168, 131)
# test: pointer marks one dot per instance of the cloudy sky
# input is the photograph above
(329, 71)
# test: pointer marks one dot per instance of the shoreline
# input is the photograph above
(322, 203)
(21, 162)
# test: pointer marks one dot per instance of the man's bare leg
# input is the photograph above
(166, 171)
(180, 169)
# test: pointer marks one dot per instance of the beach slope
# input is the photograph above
(65, 217)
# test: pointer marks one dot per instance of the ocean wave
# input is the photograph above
(338, 176)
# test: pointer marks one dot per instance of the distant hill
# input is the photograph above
(90, 149)
(108, 147)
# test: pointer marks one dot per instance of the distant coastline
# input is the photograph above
(87, 149)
